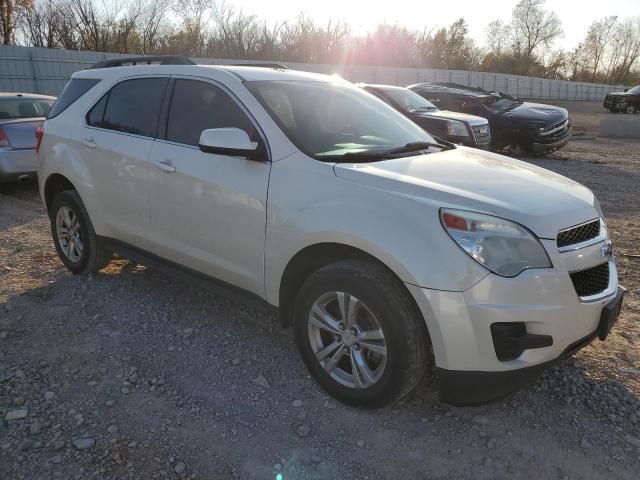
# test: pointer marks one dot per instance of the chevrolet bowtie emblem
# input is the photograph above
(606, 250)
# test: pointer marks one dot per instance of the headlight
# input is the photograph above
(598, 207)
(503, 247)
(456, 129)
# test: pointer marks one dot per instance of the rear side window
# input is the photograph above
(133, 106)
(73, 90)
(198, 106)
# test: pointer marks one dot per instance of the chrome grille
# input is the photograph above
(556, 130)
(482, 133)
(591, 281)
(579, 234)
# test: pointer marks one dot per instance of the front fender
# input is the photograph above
(308, 204)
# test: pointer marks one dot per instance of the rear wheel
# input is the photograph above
(359, 333)
(75, 240)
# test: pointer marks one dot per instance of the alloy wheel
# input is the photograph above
(69, 234)
(347, 340)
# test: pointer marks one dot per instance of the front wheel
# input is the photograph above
(359, 334)
(75, 240)
(630, 109)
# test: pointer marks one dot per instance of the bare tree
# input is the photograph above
(596, 42)
(10, 11)
(195, 15)
(235, 35)
(153, 24)
(628, 41)
(498, 34)
(40, 22)
(533, 28)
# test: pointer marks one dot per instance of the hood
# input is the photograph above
(472, 179)
(448, 115)
(536, 112)
(622, 94)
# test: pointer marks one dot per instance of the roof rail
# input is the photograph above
(144, 60)
(276, 66)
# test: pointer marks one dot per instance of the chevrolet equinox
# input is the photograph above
(389, 253)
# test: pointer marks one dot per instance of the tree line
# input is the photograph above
(524, 45)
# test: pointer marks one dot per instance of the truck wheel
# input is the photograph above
(630, 109)
(359, 334)
(76, 242)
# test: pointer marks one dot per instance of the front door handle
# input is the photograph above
(89, 142)
(165, 165)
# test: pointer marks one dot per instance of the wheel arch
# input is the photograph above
(314, 257)
(55, 184)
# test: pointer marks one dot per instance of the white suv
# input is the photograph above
(388, 251)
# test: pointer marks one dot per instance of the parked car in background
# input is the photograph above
(627, 101)
(388, 252)
(20, 115)
(454, 127)
(532, 127)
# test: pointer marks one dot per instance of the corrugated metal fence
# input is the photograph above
(43, 70)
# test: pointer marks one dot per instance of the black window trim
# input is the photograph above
(86, 115)
(96, 82)
(108, 93)
(164, 113)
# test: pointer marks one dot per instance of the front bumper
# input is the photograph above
(543, 300)
(541, 147)
(15, 164)
(475, 388)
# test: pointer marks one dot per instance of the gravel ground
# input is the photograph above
(131, 374)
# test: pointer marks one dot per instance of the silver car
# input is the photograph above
(20, 115)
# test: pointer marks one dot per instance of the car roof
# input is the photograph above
(244, 73)
(25, 96)
(453, 88)
(379, 86)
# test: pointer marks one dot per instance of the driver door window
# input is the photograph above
(197, 106)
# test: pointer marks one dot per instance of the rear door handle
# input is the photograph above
(89, 142)
(165, 165)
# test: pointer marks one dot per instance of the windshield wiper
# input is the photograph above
(414, 146)
(359, 157)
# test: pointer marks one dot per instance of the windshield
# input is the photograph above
(329, 120)
(634, 89)
(501, 103)
(407, 100)
(24, 108)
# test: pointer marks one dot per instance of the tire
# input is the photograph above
(87, 253)
(381, 300)
(630, 109)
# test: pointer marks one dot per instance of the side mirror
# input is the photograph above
(626, 89)
(229, 141)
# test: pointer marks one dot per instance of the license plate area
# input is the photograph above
(610, 314)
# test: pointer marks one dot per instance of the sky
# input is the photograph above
(363, 15)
